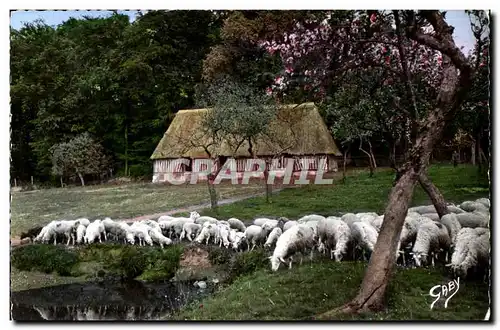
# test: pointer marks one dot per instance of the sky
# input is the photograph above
(457, 18)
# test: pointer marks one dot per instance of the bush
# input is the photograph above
(163, 263)
(131, 262)
(219, 256)
(45, 258)
(248, 262)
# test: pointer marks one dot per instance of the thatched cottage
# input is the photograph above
(298, 132)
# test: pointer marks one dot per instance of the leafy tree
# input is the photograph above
(81, 156)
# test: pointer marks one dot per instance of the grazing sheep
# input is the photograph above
(485, 202)
(201, 220)
(350, 218)
(109, 227)
(124, 232)
(334, 234)
(223, 222)
(141, 232)
(260, 221)
(223, 233)
(80, 233)
(432, 209)
(364, 236)
(47, 233)
(95, 230)
(469, 206)
(151, 223)
(453, 225)
(289, 224)
(431, 238)
(269, 225)
(177, 225)
(377, 222)
(237, 224)
(254, 235)
(232, 235)
(207, 232)
(158, 237)
(273, 237)
(432, 216)
(297, 239)
(311, 217)
(472, 250)
(474, 219)
(314, 226)
(83, 221)
(190, 230)
(239, 240)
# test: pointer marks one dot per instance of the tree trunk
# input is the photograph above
(81, 178)
(269, 187)
(372, 155)
(473, 153)
(126, 150)
(371, 296)
(435, 195)
(212, 192)
(369, 156)
(62, 184)
(345, 162)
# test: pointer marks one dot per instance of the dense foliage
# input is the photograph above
(122, 82)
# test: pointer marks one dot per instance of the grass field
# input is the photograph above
(360, 193)
(32, 208)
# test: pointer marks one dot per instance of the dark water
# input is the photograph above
(103, 301)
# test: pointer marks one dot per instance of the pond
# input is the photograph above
(131, 300)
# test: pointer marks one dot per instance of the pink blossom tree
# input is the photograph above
(417, 50)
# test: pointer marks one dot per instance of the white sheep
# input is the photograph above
(485, 202)
(151, 223)
(367, 216)
(289, 224)
(310, 217)
(432, 209)
(177, 225)
(95, 230)
(158, 237)
(237, 224)
(470, 206)
(474, 219)
(297, 239)
(232, 235)
(269, 225)
(334, 234)
(377, 222)
(261, 221)
(255, 235)
(453, 225)
(431, 238)
(350, 218)
(109, 226)
(201, 220)
(125, 232)
(141, 231)
(190, 230)
(238, 240)
(472, 250)
(207, 232)
(364, 236)
(432, 216)
(273, 237)
(47, 233)
(67, 228)
(223, 235)
(313, 225)
(80, 233)
(83, 221)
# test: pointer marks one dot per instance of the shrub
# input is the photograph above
(131, 262)
(44, 257)
(163, 263)
(248, 262)
(219, 256)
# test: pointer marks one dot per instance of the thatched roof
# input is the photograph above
(297, 130)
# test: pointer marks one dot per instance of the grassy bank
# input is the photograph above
(42, 265)
(314, 288)
(360, 193)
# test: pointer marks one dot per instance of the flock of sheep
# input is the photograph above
(463, 234)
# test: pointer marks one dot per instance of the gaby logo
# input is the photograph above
(446, 290)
